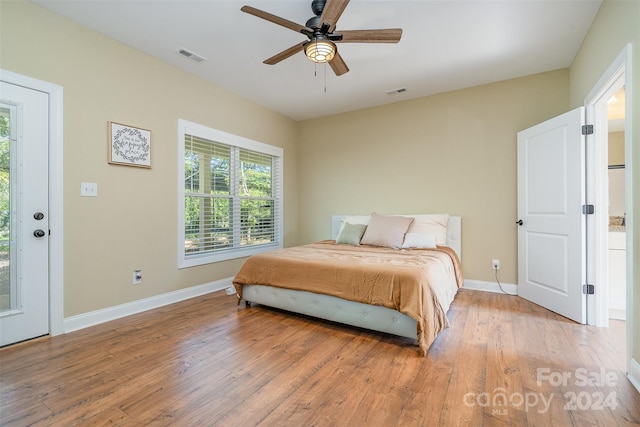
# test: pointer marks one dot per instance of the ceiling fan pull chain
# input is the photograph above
(325, 77)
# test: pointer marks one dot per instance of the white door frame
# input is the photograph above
(56, 246)
(618, 74)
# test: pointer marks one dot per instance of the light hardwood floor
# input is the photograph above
(208, 362)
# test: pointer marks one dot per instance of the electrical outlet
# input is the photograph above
(137, 277)
(495, 264)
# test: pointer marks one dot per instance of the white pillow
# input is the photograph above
(419, 240)
(386, 231)
(435, 224)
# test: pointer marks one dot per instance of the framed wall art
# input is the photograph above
(130, 146)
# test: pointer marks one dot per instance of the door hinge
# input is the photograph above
(588, 289)
(588, 209)
(587, 129)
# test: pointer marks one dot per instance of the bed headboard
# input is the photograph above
(454, 231)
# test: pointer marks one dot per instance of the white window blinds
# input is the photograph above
(231, 198)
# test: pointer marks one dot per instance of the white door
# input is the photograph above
(24, 219)
(551, 251)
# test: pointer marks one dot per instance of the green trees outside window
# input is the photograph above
(229, 197)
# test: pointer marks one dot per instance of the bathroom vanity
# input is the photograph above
(617, 274)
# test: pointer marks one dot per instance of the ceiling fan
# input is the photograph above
(320, 29)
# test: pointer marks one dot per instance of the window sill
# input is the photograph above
(210, 258)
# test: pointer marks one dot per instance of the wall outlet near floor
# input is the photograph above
(495, 264)
(137, 277)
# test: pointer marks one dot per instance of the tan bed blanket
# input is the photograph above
(420, 283)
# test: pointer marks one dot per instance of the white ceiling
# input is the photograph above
(446, 45)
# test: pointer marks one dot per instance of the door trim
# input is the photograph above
(56, 238)
(598, 95)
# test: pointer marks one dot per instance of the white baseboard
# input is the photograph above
(92, 318)
(617, 314)
(96, 317)
(634, 374)
(479, 285)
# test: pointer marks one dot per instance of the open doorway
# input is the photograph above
(612, 277)
(617, 207)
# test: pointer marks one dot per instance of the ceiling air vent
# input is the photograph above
(394, 91)
(191, 55)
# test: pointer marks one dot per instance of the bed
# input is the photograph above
(371, 296)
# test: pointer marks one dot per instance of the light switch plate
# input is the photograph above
(89, 189)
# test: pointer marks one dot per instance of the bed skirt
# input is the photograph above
(374, 317)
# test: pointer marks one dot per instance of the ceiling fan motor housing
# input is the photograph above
(313, 23)
(318, 6)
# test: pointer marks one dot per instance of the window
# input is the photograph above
(230, 196)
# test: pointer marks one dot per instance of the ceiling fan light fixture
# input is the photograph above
(320, 50)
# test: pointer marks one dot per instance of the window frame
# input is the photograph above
(185, 128)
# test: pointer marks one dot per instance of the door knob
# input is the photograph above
(519, 222)
(39, 233)
(38, 215)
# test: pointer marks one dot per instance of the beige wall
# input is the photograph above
(616, 148)
(133, 222)
(615, 25)
(454, 153)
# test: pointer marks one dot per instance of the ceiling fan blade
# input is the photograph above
(389, 35)
(276, 19)
(285, 54)
(338, 65)
(332, 11)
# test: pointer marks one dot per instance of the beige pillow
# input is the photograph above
(386, 231)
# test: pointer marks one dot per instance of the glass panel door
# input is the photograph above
(9, 295)
(24, 220)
